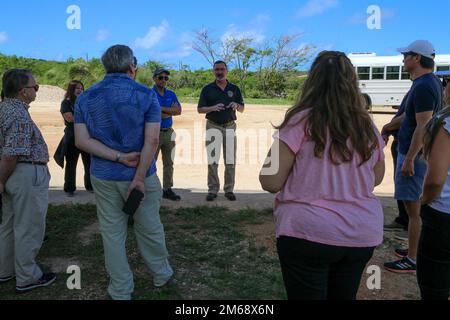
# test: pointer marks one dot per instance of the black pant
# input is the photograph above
(70, 177)
(313, 271)
(433, 257)
(403, 217)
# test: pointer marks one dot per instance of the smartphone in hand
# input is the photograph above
(133, 203)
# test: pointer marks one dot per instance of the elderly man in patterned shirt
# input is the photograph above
(24, 183)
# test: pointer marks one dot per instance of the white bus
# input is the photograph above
(383, 77)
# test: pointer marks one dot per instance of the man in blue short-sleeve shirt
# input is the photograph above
(118, 122)
(424, 100)
(170, 107)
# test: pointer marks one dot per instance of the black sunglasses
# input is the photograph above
(406, 54)
(36, 88)
(161, 78)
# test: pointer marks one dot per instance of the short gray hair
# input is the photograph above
(118, 59)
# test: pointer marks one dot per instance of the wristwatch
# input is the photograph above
(119, 157)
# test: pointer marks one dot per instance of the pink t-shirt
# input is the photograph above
(327, 203)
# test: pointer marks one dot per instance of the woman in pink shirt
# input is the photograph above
(326, 160)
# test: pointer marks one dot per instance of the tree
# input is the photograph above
(205, 45)
(242, 56)
(277, 58)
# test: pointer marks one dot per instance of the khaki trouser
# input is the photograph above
(218, 136)
(110, 198)
(22, 231)
(167, 148)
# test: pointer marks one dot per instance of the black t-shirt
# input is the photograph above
(67, 106)
(212, 94)
(426, 95)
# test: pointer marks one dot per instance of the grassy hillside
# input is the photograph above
(283, 88)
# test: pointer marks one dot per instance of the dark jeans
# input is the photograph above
(433, 259)
(402, 218)
(70, 178)
(313, 271)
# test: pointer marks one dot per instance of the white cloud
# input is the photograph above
(255, 30)
(153, 37)
(316, 7)
(102, 35)
(3, 37)
(183, 49)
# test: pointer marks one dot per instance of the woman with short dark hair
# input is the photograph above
(72, 153)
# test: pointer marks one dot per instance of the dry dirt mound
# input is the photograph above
(49, 95)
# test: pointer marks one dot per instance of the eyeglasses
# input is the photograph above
(36, 88)
(161, 78)
(220, 69)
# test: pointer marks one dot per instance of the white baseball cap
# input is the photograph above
(422, 47)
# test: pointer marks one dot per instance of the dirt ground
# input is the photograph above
(191, 171)
(190, 176)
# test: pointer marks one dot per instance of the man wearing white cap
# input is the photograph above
(423, 101)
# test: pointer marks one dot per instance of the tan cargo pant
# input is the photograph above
(218, 136)
(24, 210)
(167, 149)
(110, 197)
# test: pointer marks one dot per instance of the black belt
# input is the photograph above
(33, 163)
(166, 129)
(226, 124)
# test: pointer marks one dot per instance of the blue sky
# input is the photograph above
(162, 30)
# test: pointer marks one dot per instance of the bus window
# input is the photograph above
(393, 73)
(405, 75)
(378, 73)
(443, 68)
(364, 73)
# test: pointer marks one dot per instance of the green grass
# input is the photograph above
(277, 102)
(212, 255)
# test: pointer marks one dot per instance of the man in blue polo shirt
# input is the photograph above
(117, 121)
(170, 107)
(424, 100)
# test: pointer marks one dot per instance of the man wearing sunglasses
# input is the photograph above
(24, 183)
(170, 107)
(219, 101)
(424, 100)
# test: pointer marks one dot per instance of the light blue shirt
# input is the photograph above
(443, 203)
(115, 112)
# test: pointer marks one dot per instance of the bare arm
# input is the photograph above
(172, 111)
(84, 142)
(394, 125)
(380, 171)
(68, 116)
(273, 183)
(417, 141)
(438, 165)
(217, 108)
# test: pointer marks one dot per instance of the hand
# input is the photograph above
(386, 139)
(385, 130)
(235, 106)
(218, 107)
(408, 168)
(175, 105)
(131, 159)
(138, 184)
